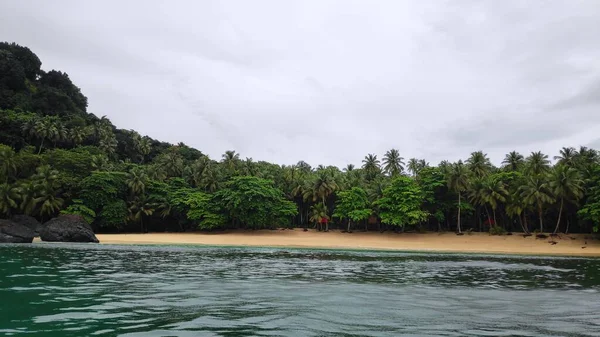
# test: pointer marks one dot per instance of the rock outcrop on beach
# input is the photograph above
(67, 228)
(12, 232)
(28, 221)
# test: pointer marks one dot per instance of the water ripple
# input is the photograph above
(82, 290)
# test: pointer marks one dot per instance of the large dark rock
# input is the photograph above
(67, 228)
(28, 221)
(12, 232)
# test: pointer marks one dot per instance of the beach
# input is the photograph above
(566, 245)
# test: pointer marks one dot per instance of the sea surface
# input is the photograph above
(103, 290)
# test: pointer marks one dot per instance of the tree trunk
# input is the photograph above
(525, 221)
(458, 220)
(562, 200)
(41, 145)
(488, 216)
(495, 222)
(142, 223)
(522, 226)
(567, 229)
(348, 226)
(541, 221)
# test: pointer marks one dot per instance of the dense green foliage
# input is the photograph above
(55, 157)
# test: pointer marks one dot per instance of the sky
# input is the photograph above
(330, 81)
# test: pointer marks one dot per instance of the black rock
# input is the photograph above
(12, 232)
(68, 228)
(28, 221)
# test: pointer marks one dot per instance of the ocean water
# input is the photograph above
(103, 290)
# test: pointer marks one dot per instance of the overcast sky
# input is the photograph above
(330, 81)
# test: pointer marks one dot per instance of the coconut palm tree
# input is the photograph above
(138, 209)
(100, 163)
(230, 160)
(513, 161)
(136, 181)
(413, 166)
(479, 164)
(8, 163)
(371, 166)
(77, 135)
(565, 184)
(45, 128)
(9, 196)
(567, 156)
(46, 177)
(144, 147)
(49, 203)
(349, 168)
(515, 207)
(458, 182)
(28, 193)
(537, 163)
(318, 212)
(536, 192)
(494, 192)
(172, 163)
(320, 187)
(393, 164)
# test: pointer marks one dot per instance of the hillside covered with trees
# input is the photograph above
(55, 157)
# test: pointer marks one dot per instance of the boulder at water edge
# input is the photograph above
(28, 221)
(12, 232)
(67, 228)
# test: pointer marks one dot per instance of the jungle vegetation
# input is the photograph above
(55, 158)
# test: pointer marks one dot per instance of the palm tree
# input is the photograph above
(136, 181)
(477, 193)
(48, 202)
(46, 177)
(494, 192)
(318, 212)
(172, 163)
(144, 147)
(28, 193)
(320, 187)
(230, 160)
(536, 192)
(567, 156)
(566, 184)
(514, 207)
(108, 144)
(139, 208)
(537, 163)
(8, 199)
(513, 161)
(349, 168)
(78, 134)
(61, 134)
(8, 162)
(479, 164)
(45, 128)
(371, 166)
(393, 163)
(458, 182)
(413, 166)
(100, 162)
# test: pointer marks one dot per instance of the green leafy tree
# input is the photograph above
(78, 208)
(352, 205)
(537, 164)
(401, 204)
(255, 202)
(139, 208)
(318, 213)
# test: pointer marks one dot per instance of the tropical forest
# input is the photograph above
(57, 158)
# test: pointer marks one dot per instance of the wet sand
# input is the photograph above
(569, 245)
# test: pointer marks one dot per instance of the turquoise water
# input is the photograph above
(93, 290)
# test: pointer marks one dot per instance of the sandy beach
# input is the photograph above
(567, 245)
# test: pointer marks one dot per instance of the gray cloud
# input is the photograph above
(330, 81)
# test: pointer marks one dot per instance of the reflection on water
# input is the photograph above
(82, 290)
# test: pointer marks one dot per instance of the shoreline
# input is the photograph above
(475, 243)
